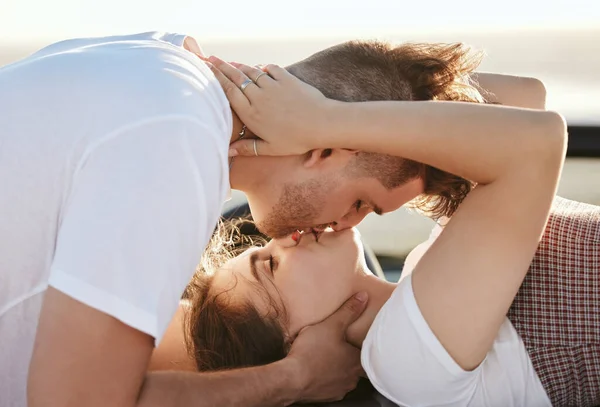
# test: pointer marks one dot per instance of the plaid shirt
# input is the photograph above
(557, 309)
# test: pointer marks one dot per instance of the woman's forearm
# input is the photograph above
(263, 386)
(478, 142)
(509, 90)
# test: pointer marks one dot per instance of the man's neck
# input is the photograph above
(379, 291)
(237, 128)
(240, 178)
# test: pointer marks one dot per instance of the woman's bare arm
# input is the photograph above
(465, 283)
(510, 90)
(478, 142)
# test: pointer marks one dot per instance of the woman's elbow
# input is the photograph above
(552, 140)
(536, 91)
(557, 133)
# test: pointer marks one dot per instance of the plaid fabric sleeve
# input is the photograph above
(557, 309)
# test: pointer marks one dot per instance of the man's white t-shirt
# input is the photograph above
(407, 363)
(113, 171)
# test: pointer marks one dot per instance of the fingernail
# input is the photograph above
(361, 296)
(234, 64)
(233, 152)
(296, 236)
(213, 59)
(211, 66)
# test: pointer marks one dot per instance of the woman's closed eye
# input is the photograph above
(272, 264)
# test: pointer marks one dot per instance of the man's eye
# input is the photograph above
(358, 205)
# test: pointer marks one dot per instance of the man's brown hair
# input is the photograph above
(370, 71)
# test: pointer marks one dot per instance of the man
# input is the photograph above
(113, 170)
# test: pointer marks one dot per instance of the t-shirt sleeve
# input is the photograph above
(415, 254)
(405, 361)
(142, 205)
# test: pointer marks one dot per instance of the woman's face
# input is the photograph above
(311, 279)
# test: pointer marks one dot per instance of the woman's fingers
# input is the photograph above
(258, 76)
(239, 78)
(277, 72)
(236, 97)
(250, 148)
(283, 110)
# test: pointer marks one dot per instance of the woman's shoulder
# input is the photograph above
(407, 364)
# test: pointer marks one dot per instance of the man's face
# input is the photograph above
(329, 199)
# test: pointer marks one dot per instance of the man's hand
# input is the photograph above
(328, 366)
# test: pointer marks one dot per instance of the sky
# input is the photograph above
(26, 20)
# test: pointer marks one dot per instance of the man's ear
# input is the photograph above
(331, 155)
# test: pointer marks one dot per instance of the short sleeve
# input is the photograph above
(406, 362)
(142, 206)
(415, 254)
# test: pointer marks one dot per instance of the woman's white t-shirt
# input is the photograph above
(113, 172)
(407, 364)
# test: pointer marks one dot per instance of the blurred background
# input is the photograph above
(557, 41)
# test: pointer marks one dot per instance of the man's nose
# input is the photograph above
(348, 221)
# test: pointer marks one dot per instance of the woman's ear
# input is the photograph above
(318, 156)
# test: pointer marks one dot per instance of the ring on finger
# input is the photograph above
(258, 77)
(245, 84)
(255, 151)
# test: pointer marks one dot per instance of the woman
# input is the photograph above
(441, 335)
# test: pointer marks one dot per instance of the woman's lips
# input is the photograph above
(315, 234)
(296, 236)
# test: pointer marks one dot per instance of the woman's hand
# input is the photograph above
(289, 116)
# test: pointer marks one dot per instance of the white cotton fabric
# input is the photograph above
(407, 364)
(113, 171)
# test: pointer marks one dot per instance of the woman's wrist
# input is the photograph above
(333, 127)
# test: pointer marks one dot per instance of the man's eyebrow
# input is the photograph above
(253, 269)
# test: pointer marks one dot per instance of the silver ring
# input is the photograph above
(245, 84)
(255, 152)
(258, 77)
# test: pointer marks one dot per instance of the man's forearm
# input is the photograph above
(263, 386)
(509, 90)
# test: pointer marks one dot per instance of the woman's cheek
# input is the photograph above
(304, 310)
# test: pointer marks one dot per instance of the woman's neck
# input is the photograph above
(379, 291)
